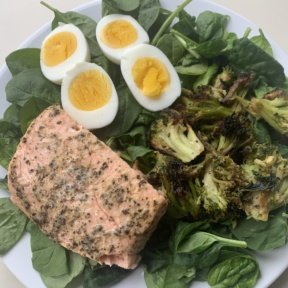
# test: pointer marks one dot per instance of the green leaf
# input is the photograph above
(127, 5)
(102, 276)
(171, 47)
(211, 25)
(76, 266)
(263, 235)
(211, 48)
(132, 153)
(12, 114)
(123, 120)
(148, 13)
(9, 139)
(4, 184)
(247, 57)
(207, 77)
(23, 59)
(48, 258)
(262, 42)
(30, 110)
(196, 69)
(172, 276)
(31, 83)
(239, 271)
(201, 241)
(12, 225)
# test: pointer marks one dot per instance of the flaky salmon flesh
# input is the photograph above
(81, 193)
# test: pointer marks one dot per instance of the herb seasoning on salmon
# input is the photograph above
(81, 193)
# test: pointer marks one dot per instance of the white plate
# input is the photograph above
(272, 264)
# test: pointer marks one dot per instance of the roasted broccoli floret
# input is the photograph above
(222, 184)
(266, 171)
(171, 135)
(232, 134)
(274, 111)
(176, 179)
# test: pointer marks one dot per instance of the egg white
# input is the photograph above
(172, 91)
(115, 54)
(82, 53)
(93, 119)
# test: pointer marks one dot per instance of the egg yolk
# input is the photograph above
(58, 48)
(150, 76)
(90, 90)
(119, 34)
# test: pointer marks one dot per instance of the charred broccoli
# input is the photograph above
(171, 135)
(273, 111)
(267, 173)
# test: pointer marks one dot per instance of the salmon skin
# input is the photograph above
(81, 193)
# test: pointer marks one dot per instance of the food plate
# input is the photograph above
(272, 264)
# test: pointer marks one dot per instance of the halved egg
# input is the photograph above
(151, 77)
(88, 95)
(64, 47)
(116, 33)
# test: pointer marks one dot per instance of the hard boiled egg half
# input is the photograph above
(116, 33)
(64, 47)
(88, 95)
(150, 76)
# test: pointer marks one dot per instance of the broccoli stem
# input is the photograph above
(169, 21)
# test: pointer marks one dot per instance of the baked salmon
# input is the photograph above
(81, 193)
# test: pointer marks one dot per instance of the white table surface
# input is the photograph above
(20, 18)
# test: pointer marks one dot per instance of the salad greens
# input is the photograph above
(235, 99)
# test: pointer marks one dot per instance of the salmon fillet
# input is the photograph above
(82, 194)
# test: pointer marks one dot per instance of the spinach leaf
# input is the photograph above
(245, 56)
(148, 13)
(211, 25)
(76, 265)
(30, 110)
(109, 7)
(263, 235)
(200, 241)
(101, 276)
(132, 153)
(23, 59)
(196, 69)
(12, 225)
(186, 25)
(9, 139)
(172, 276)
(12, 114)
(171, 47)
(238, 271)
(84, 23)
(127, 5)
(207, 77)
(31, 83)
(4, 184)
(262, 42)
(48, 258)
(211, 48)
(128, 112)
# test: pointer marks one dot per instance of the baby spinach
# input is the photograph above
(56, 265)
(263, 235)
(195, 69)
(171, 47)
(149, 11)
(239, 271)
(262, 42)
(9, 139)
(211, 25)
(30, 110)
(127, 5)
(245, 56)
(23, 59)
(128, 112)
(31, 83)
(12, 114)
(102, 276)
(4, 184)
(12, 224)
